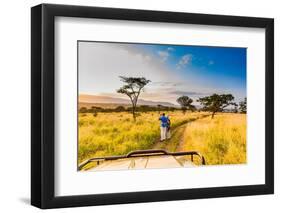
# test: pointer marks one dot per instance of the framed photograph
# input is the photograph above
(139, 106)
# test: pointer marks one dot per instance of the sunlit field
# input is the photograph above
(107, 134)
(125, 87)
(221, 140)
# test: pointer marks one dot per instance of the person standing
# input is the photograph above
(163, 127)
(168, 131)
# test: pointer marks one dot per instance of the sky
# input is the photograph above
(174, 70)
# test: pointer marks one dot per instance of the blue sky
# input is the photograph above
(174, 70)
(218, 66)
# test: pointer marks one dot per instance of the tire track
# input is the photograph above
(175, 143)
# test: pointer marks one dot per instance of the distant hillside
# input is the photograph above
(102, 105)
(110, 102)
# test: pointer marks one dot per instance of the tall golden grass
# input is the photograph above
(221, 140)
(116, 133)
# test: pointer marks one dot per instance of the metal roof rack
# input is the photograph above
(143, 153)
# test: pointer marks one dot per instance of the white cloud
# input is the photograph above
(163, 55)
(101, 64)
(185, 59)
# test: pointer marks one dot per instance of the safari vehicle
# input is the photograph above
(144, 159)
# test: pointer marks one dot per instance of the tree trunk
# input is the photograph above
(213, 114)
(134, 111)
(134, 115)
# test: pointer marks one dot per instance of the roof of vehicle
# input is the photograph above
(143, 159)
(148, 162)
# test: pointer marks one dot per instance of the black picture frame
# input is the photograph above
(43, 110)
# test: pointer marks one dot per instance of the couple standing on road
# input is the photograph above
(165, 125)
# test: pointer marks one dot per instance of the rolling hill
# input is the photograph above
(110, 102)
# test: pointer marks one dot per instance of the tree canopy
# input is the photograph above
(243, 106)
(216, 103)
(132, 87)
(186, 103)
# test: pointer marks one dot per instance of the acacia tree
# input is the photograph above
(83, 110)
(186, 103)
(159, 106)
(132, 88)
(235, 109)
(216, 103)
(243, 106)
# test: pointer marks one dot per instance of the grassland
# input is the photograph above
(221, 140)
(117, 134)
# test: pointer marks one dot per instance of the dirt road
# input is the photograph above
(175, 143)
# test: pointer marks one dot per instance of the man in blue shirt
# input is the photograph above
(163, 126)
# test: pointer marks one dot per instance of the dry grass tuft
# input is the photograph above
(221, 140)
